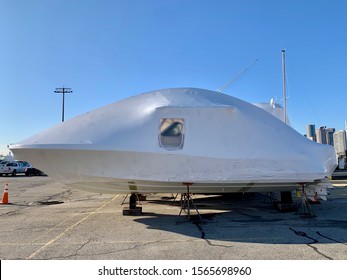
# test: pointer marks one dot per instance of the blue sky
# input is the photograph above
(108, 50)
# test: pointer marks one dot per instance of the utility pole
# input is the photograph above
(63, 90)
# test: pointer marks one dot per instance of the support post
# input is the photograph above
(132, 210)
(187, 201)
(132, 201)
(304, 209)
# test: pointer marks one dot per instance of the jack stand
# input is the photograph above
(304, 209)
(174, 200)
(132, 210)
(186, 203)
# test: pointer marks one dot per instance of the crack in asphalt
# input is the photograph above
(203, 236)
(104, 253)
(80, 248)
(83, 245)
(66, 231)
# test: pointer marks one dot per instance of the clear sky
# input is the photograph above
(107, 50)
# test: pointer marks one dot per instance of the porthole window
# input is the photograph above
(171, 133)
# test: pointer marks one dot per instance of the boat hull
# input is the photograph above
(109, 171)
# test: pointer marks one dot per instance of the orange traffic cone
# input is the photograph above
(5, 195)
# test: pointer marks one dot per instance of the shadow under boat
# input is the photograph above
(250, 218)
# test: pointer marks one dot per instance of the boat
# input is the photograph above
(163, 140)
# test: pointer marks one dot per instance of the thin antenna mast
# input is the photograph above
(284, 86)
(238, 76)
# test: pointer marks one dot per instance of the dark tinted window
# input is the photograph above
(171, 133)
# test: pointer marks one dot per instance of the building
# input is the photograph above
(329, 132)
(311, 132)
(321, 135)
(324, 135)
(340, 143)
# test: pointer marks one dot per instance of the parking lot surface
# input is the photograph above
(47, 220)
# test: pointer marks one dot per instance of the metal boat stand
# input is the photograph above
(187, 203)
(304, 209)
(174, 200)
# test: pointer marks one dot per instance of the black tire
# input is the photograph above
(14, 173)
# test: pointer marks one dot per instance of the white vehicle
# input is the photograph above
(162, 140)
(2, 166)
(14, 167)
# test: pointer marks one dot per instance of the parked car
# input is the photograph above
(14, 167)
(32, 171)
(2, 166)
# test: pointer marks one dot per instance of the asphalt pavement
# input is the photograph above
(47, 220)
